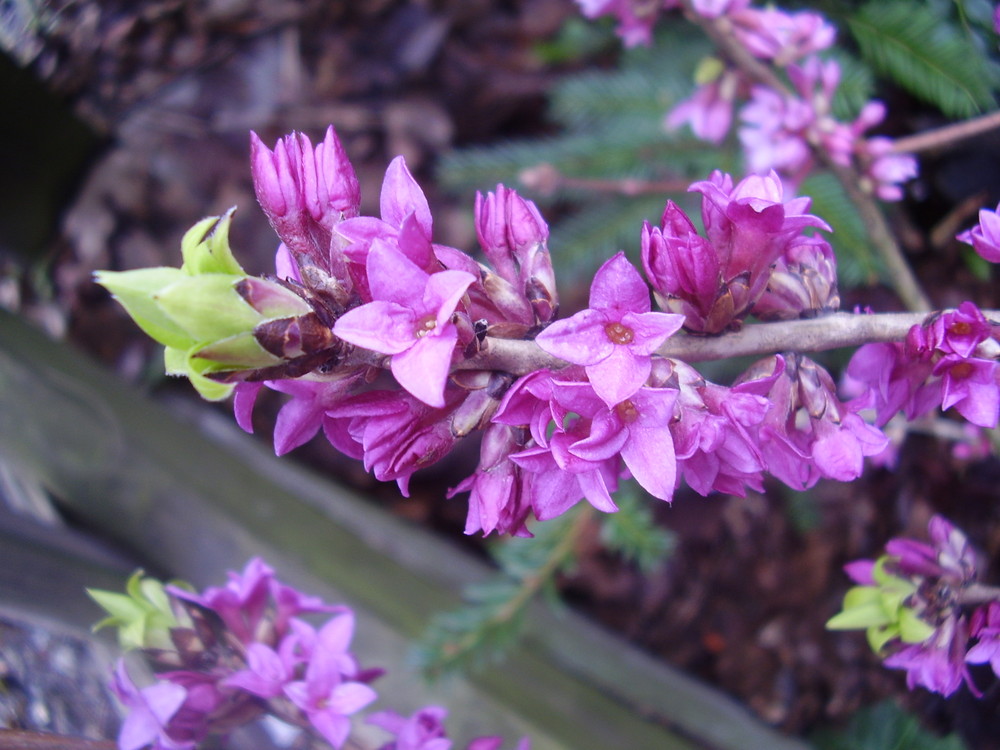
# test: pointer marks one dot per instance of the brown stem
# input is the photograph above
(979, 593)
(947, 135)
(900, 274)
(547, 179)
(833, 331)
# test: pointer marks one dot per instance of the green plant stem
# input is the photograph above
(833, 331)
(901, 276)
(530, 585)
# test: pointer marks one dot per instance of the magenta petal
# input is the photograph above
(650, 330)
(336, 635)
(444, 291)
(333, 727)
(350, 697)
(392, 276)
(414, 243)
(298, 421)
(423, 369)
(619, 376)
(384, 327)
(553, 493)
(243, 401)
(605, 440)
(401, 196)
(580, 339)
(618, 286)
(649, 455)
(595, 489)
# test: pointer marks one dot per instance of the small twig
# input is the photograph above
(833, 331)
(979, 593)
(947, 135)
(547, 179)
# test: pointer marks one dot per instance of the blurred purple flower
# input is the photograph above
(985, 236)
(149, 712)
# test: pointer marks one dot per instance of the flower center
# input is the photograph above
(424, 326)
(960, 328)
(619, 334)
(961, 371)
(627, 411)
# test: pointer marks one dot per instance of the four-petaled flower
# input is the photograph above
(615, 337)
(409, 319)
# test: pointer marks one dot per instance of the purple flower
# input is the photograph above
(615, 337)
(406, 221)
(149, 712)
(750, 225)
(327, 700)
(884, 169)
(306, 193)
(773, 34)
(685, 272)
(637, 429)
(938, 663)
(329, 693)
(985, 236)
(498, 499)
(397, 433)
(241, 602)
(513, 235)
(424, 730)
(809, 433)
(959, 331)
(266, 674)
(409, 319)
(714, 281)
(709, 110)
(985, 626)
(553, 477)
(635, 21)
(970, 385)
(715, 434)
(301, 417)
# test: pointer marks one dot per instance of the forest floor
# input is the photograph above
(171, 89)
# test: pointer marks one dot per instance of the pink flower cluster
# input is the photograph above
(395, 359)
(717, 280)
(949, 361)
(246, 654)
(782, 130)
(943, 578)
(555, 437)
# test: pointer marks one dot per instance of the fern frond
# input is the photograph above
(856, 86)
(483, 631)
(925, 53)
(582, 241)
(632, 532)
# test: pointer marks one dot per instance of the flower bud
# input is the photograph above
(305, 192)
